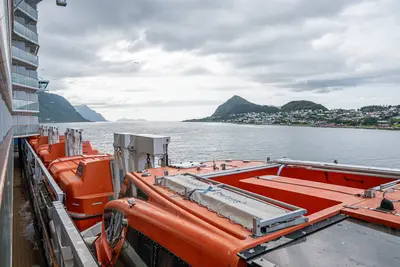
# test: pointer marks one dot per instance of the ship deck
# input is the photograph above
(25, 253)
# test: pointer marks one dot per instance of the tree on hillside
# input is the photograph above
(302, 105)
(370, 121)
(374, 108)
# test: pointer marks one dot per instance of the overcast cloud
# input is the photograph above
(178, 59)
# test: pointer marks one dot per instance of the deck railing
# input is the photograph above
(6, 200)
(63, 243)
(25, 130)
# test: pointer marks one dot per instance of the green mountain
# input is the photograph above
(302, 105)
(238, 105)
(89, 113)
(55, 108)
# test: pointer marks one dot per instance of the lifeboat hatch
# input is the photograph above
(262, 249)
(259, 214)
(336, 242)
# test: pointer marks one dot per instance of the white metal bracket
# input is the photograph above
(73, 142)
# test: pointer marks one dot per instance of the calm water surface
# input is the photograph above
(206, 141)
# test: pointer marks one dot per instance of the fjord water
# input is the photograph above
(206, 141)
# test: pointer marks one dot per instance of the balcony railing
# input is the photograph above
(26, 130)
(25, 105)
(25, 56)
(26, 32)
(25, 80)
(27, 9)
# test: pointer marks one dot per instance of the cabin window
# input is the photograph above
(79, 170)
(153, 254)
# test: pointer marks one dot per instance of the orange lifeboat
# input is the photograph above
(88, 149)
(87, 184)
(32, 140)
(49, 153)
(41, 140)
(188, 218)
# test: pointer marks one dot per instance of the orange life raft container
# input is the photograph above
(49, 153)
(87, 184)
(37, 141)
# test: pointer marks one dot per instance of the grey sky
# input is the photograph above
(178, 59)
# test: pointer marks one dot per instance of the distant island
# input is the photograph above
(89, 113)
(130, 120)
(304, 113)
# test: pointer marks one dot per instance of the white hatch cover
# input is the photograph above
(239, 206)
(187, 165)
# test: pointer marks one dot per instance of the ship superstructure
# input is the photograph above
(19, 108)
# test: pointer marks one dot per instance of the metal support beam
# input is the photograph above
(137, 152)
(54, 136)
(43, 130)
(362, 170)
(238, 170)
(69, 243)
(73, 142)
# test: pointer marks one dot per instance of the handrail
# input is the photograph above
(22, 131)
(40, 169)
(392, 173)
(68, 234)
(5, 148)
(62, 240)
(238, 170)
